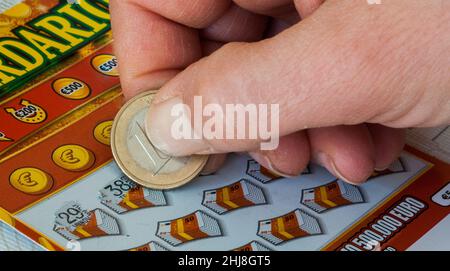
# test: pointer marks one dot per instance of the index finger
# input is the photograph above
(150, 48)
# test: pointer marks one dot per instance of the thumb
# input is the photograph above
(327, 70)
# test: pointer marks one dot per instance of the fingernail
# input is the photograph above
(381, 168)
(168, 126)
(264, 161)
(325, 160)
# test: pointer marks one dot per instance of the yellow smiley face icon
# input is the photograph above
(102, 132)
(31, 180)
(73, 157)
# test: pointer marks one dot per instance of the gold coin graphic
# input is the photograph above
(6, 217)
(31, 180)
(106, 64)
(102, 132)
(20, 10)
(71, 88)
(73, 157)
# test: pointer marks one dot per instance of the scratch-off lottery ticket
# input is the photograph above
(62, 189)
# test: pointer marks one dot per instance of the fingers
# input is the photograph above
(388, 144)
(307, 7)
(142, 28)
(214, 163)
(351, 153)
(150, 48)
(289, 159)
(236, 24)
(308, 79)
(346, 151)
(209, 47)
(194, 13)
(274, 8)
(275, 27)
(343, 72)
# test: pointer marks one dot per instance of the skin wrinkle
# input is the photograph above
(383, 80)
(195, 5)
(362, 68)
(305, 8)
(366, 62)
(134, 75)
(421, 90)
(445, 103)
(255, 62)
(198, 5)
(419, 84)
(236, 24)
(326, 66)
(232, 23)
(417, 87)
(246, 24)
(330, 71)
(176, 40)
(289, 72)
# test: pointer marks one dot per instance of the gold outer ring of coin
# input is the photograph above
(137, 173)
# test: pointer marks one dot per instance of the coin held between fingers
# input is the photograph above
(137, 156)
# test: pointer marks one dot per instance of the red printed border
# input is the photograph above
(39, 156)
(422, 190)
(52, 104)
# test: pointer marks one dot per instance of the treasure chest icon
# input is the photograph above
(234, 196)
(28, 113)
(396, 167)
(335, 194)
(252, 246)
(195, 226)
(293, 225)
(151, 246)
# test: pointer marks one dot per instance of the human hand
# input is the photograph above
(346, 77)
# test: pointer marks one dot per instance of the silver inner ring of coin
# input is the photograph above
(145, 154)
